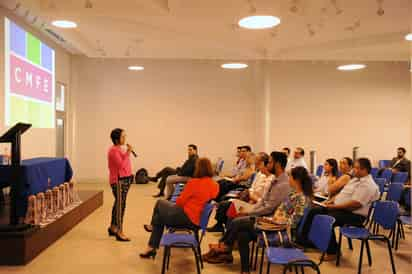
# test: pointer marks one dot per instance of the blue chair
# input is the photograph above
(385, 214)
(178, 189)
(381, 184)
(319, 170)
(260, 244)
(394, 192)
(186, 240)
(384, 163)
(374, 172)
(404, 219)
(400, 177)
(387, 175)
(219, 166)
(320, 233)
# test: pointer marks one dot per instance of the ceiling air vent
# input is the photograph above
(55, 35)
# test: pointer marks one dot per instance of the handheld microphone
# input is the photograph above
(132, 151)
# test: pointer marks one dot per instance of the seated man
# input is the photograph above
(298, 159)
(401, 163)
(241, 180)
(275, 192)
(350, 206)
(180, 174)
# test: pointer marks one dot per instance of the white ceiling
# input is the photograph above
(207, 29)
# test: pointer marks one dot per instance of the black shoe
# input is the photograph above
(148, 255)
(160, 194)
(148, 228)
(216, 228)
(111, 232)
(153, 179)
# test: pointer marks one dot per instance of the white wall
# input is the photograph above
(36, 142)
(318, 107)
(163, 108)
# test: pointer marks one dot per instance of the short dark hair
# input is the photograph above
(115, 135)
(302, 151)
(365, 163)
(287, 149)
(239, 148)
(203, 168)
(349, 160)
(279, 157)
(264, 157)
(193, 146)
(402, 148)
(247, 147)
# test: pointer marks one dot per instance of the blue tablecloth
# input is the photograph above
(36, 175)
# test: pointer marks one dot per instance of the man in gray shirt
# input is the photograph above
(273, 196)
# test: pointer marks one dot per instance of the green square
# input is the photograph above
(19, 110)
(40, 115)
(33, 49)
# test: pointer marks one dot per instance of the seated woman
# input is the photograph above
(242, 229)
(328, 177)
(239, 181)
(345, 167)
(188, 208)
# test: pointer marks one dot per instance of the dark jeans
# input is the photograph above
(242, 230)
(342, 218)
(221, 211)
(120, 191)
(225, 186)
(166, 213)
(162, 175)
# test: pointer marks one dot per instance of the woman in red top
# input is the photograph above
(120, 179)
(188, 208)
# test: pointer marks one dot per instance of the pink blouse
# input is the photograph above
(119, 164)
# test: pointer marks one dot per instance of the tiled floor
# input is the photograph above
(88, 249)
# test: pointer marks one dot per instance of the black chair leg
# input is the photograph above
(398, 236)
(368, 252)
(350, 243)
(268, 269)
(164, 260)
(199, 250)
(169, 252)
(196, 259)
(339, 249)
(402, 231)
(296, 269)
(262, 257)
(360, 257)
(393, 234)
(391, 256)
(302, 269)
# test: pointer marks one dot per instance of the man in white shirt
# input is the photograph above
(298, 159)
(351, 205)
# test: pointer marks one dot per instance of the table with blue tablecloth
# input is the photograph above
(36, 175)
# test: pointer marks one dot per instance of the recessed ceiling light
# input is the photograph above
(352, 67)
(259, 22)
(408, 37)
(234, 66)
(64, 24)
(136, 68)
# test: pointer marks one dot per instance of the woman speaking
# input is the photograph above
(121, 177)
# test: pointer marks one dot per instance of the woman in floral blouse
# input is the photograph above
(242, 229)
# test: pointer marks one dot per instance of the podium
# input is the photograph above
(13, 136)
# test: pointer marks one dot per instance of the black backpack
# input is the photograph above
(142, 176)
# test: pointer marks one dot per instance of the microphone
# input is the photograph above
(132, 151)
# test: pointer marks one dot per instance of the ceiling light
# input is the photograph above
(408, 37)
(64, 24)
(259, 22)
(234, 66)
(136, 68)
(352, 67)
